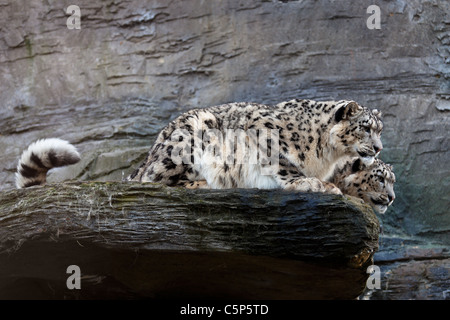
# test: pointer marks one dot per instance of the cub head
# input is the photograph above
(373, 183)
(356, 131)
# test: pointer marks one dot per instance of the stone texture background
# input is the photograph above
(112, 85)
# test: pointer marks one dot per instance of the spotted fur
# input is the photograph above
(373, 183)
(313, 137)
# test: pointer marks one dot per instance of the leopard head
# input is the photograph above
(356, 131)
(373, 183)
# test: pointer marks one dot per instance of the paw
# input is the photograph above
(306, 185)
(331, 188)
(313, 185)
(202, 184)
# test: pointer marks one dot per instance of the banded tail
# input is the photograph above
(42, 156)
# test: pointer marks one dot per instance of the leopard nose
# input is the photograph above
(377, 149)
(391, 198)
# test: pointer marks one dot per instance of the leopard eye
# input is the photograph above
(367, 129)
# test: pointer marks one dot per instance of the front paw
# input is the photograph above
(312, 185)
(331, 188)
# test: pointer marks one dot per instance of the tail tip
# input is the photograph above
(42, 156)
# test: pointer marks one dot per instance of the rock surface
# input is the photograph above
(134, 65)
(411, 269)
(149, 240)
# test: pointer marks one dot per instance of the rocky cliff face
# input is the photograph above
(110, 86)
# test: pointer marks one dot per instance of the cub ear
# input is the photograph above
(377, 113)
(347, 111)
(357, 165)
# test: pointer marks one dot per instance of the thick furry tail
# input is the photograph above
(42, 156)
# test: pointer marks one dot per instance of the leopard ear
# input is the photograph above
(357, 165)
(347, 111)
(377, 113)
